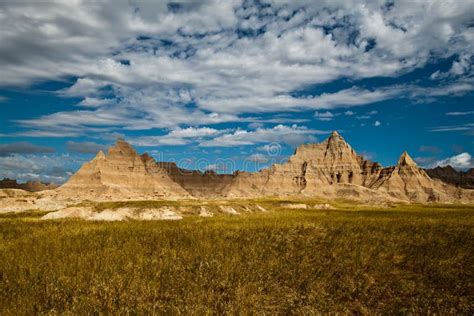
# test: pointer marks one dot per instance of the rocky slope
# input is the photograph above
(207, 184)
(331, 169)
(31, 186)
(119, 175)
(463, 179)
(407, 181)
(311, 168)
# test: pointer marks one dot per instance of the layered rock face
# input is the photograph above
(312, 167)
(330, 170)
(198, 184)
(333, 161)
(463, 179)
(122, 174)
(31, 186)
(407, 181)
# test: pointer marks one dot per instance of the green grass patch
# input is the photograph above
(407, 259)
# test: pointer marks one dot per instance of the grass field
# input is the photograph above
(409, 259)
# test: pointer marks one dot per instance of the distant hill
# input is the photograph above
(463, 179)
(31, 186)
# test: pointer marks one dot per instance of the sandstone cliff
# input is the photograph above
(333, 170)
(407, 181)
(122, 174)
(311, 168)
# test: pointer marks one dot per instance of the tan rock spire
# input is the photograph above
(334, 134)
(406, 160)
(122, 174)
(312, 166)
(100, 155)
(122, 148)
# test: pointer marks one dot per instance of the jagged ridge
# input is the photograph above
(330, 169)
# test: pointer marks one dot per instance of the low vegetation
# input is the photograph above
(403, 259)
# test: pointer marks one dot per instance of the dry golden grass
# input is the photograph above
(409, 259)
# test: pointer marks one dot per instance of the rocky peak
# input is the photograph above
(122, 148)
(406, 160)
(100, 155)
(146, 157)
(335, 135)
(336, 142)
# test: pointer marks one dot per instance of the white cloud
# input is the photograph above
(462, 161)
(45, 168)
(258, 158)
(377, 123)
(156, 59)
(324, 116)
(454, 128)
(177, 137)
(461, 66)
(95, 102)
(291, 135)
(460, 113)
(216, 167)
(349, 113)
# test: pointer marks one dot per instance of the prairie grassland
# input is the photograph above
(407, 259)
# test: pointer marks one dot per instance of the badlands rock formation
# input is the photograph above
(207, 184)
(328, 170)
(16, 200)
(463, 179)
(332, 169)
(121, 175)
(311, 169)
(406, 181)
(30, 186)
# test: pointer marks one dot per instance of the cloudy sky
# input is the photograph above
(210, 81)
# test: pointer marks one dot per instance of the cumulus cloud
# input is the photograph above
(216, 167)
(94, 102)
(46, 168)
(461, 66)
(324, 116)
(180, 136)
(462, 161)
(377, 123)
(162, 65)
(258, 158)
(23, 148)
(290, 135)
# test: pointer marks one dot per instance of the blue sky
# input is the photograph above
(230, 85)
